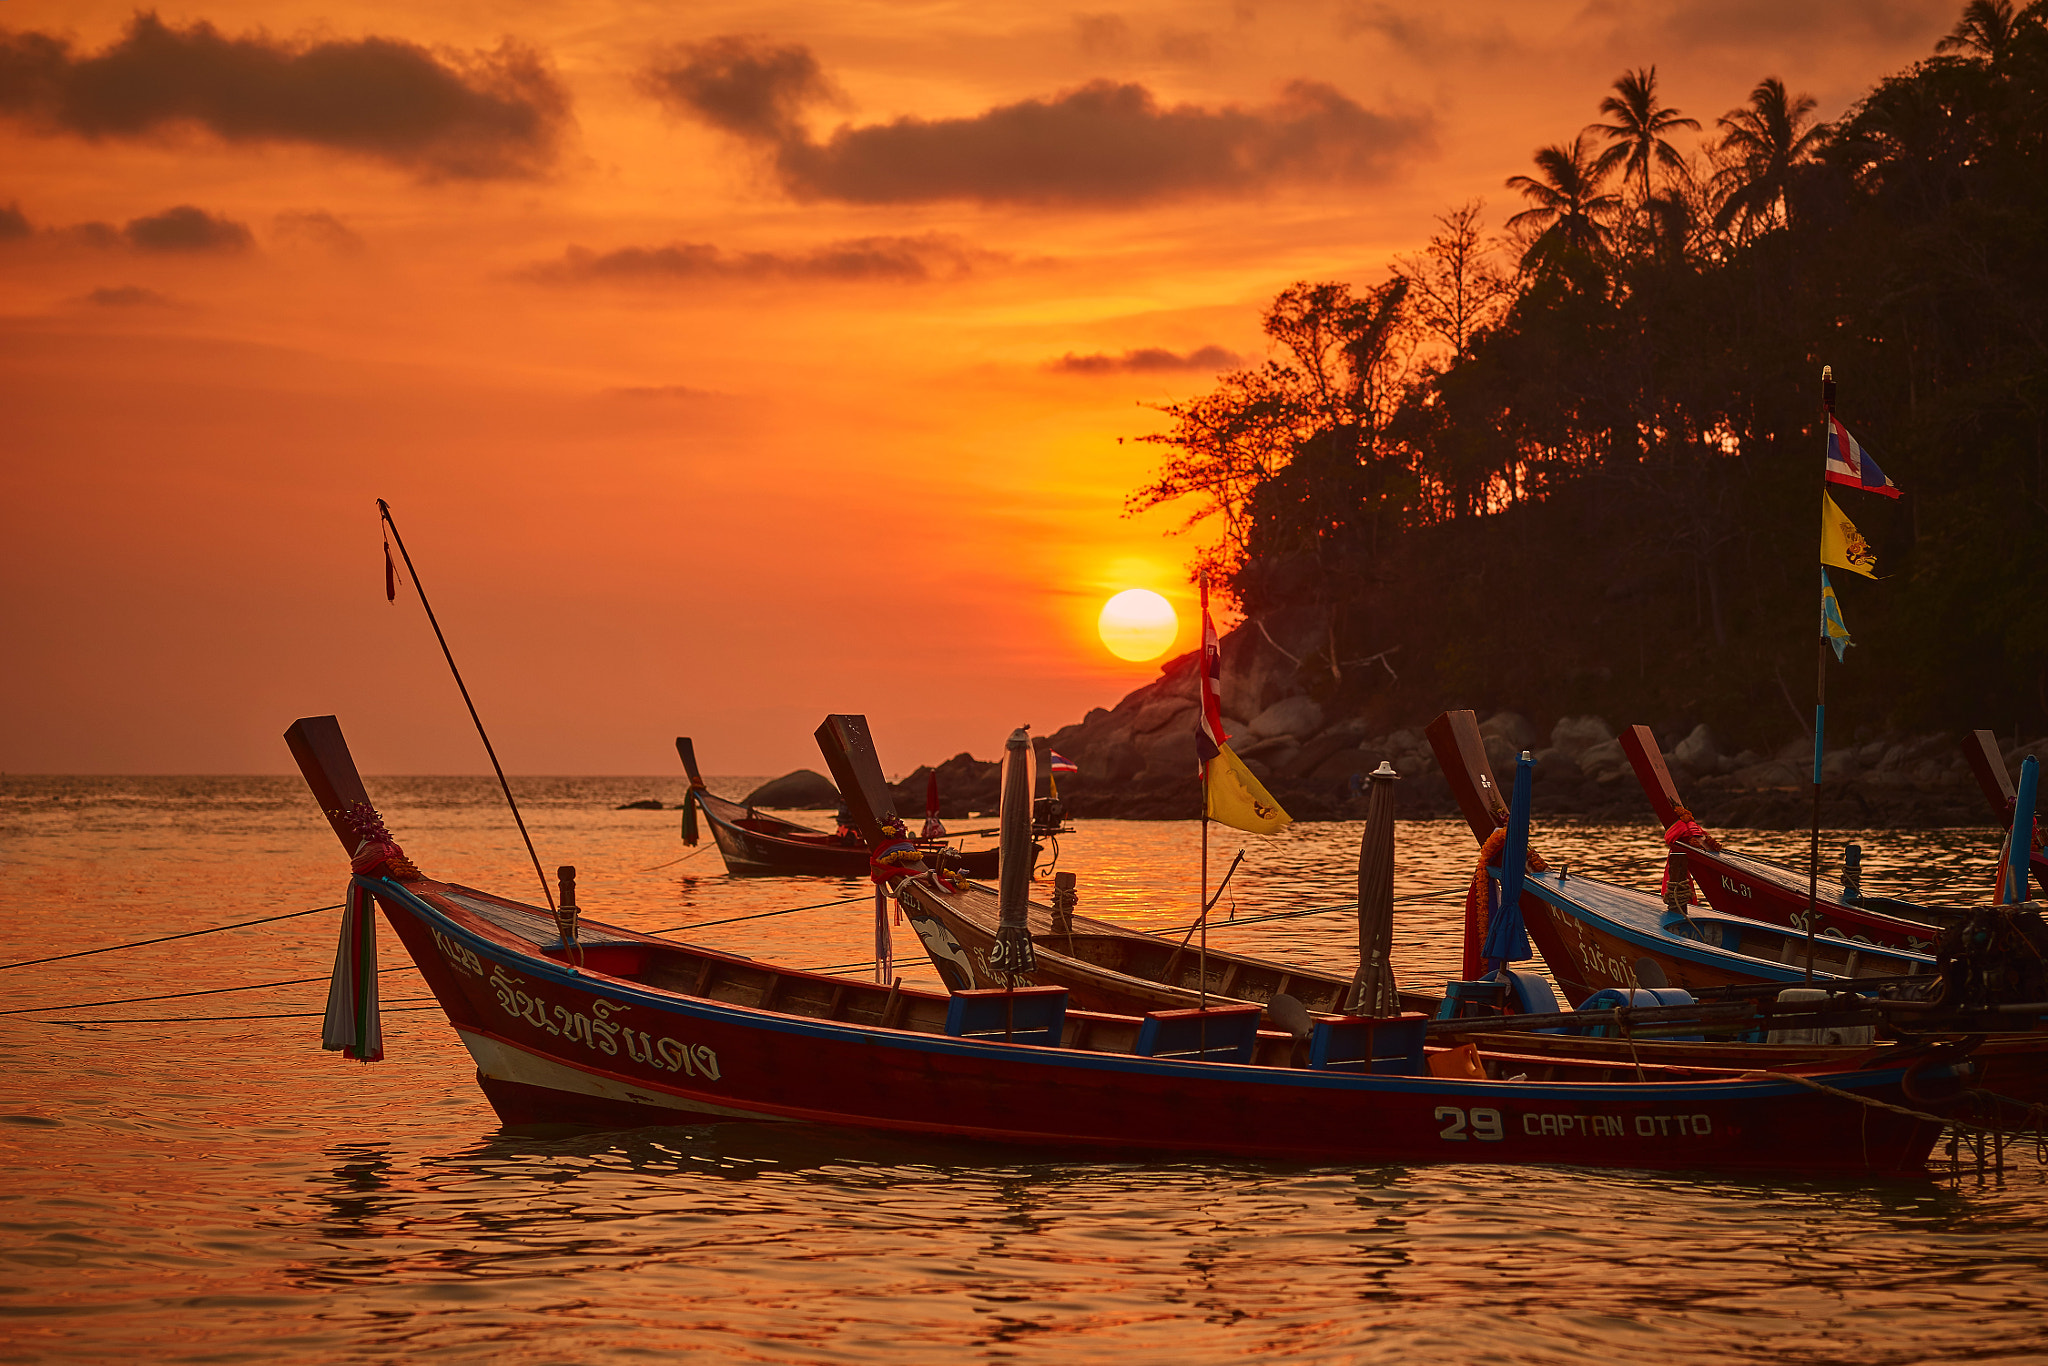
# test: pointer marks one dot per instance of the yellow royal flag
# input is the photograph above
(1237, 799)
(1841, 544)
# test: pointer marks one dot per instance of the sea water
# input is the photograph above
(183, 1186)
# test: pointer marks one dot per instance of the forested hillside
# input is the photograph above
(1576, 468)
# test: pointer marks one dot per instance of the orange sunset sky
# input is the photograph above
(725, 364)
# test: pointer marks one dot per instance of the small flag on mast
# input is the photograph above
(1209, 736)
(1061, 763)
(1852, 465)
(1232, 794)
(1831, 625)
(1841, 544)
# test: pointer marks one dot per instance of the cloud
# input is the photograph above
(128, 296)
(318, 228)
(1428, 34)
(442, 115)
(187, 229)
(1760, 24)
(908, 260)
(1105, 143)
(745, 86)
(1146, 360)
(14, 224)
(1103, 35)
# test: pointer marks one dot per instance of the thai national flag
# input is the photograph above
(1209, 736)
(1851, 464)
(1061, 763)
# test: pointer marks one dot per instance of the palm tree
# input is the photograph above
(1987, 28)
(1764, 143)
(1567, 210)
(1637, 133)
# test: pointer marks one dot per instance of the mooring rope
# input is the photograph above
(165, 939)
(1876, 1104)
(761, 915)
(674, 861)
(181, 995)
(215, 1019)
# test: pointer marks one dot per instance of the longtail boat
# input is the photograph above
(1758, 889)
(1109, 967)
(1597, 936)
(754, 843)
(586, 1023)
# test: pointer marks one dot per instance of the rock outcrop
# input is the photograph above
(1137, 759)
(803, 790)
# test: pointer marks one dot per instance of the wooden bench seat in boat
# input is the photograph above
(1360, 1043)
(1024, 1015)
(1218, 1034)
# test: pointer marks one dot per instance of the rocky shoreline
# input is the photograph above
(1137, 762)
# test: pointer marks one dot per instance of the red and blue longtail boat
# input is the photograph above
(591, 1024)
(1740, 884)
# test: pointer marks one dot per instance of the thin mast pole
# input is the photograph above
(384, 509)
(1820, 703)
(1203, 956)
(1202, 901)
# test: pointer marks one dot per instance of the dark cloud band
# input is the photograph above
(1146, 360)
(1104, 143)
(889, 259)
(487, 115)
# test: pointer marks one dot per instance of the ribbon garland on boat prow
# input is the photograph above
(1684, 827)
(354, 1025)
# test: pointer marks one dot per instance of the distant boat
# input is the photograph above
(753, 843)
(621, 1029)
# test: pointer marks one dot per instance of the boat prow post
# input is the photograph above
(686, 750)
(1640, 745)
(330, 771)
(1461, 753)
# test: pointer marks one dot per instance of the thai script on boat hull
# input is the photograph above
(600, 1033)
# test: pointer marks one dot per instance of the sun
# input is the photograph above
(1138, 624)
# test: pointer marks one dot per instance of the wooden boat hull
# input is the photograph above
(1103, 966)
(1594, 935)
(1736, 884)
(1110, 968)
(753, 845)
(640, 1029)
(555, 1045)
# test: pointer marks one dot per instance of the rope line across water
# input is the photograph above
(180, 995)
(165, 939)
(762, 915)
(213, 1019)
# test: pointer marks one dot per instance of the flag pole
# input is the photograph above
(1202, 902)
(1820, 703)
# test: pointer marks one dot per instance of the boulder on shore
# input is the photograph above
(803, 790)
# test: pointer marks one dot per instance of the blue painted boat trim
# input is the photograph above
(1706, 955)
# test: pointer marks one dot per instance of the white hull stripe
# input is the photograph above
(503, 1061)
